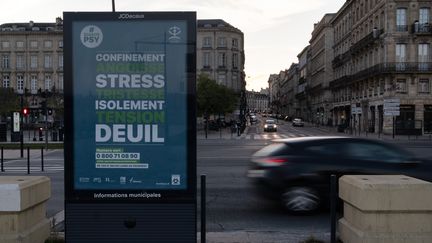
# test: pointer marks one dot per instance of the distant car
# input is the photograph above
(297, 122)
(270, 126)
(297, 171)
(253, 119)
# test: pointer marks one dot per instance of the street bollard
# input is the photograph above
(333, 203)
(203, 208)
(28, 160)
(42, 160)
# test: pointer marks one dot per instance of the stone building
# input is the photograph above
(382, 52)
(303, 107)
(220, 53)
(257, 101)
(292, 79)
(320, 70)
(32, 58)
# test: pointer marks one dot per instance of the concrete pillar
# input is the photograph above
(23, 210)
(385, 209)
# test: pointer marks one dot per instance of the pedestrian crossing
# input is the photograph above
(33, 169)
(270, 136)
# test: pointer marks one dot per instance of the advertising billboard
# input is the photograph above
(130, 105)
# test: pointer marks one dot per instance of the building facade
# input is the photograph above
(381, 54)
(257, 101)
(32, 58)
(303, 107)
(220, 53)
(321, 71)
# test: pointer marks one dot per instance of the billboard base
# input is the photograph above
(107, 222)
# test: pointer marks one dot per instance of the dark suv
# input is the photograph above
(297, 171)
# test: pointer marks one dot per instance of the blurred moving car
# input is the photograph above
(297, 171)
(297, 122)
(270, 126)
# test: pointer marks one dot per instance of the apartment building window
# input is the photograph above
(20, 83)
(235, 81)
(33, 83)
(5, 62)
(222, 60)
(5, 44)
(33, 61)
(235, 43)
(401, 20)
(206, 59)
(222, 42)
(207, 42)
(221, 79)
(235, 61)
(6, 81)
(33, 44)
(400, 57)
(20, 44)
(60, 61)
(381, 86)
(19, 61)
(60, 44)
(423, 86)
(61, 85)
(47, 61)
(424, 16)
(401, 86)
(423, 57)
(48, 44)
(47, 81)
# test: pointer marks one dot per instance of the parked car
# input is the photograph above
(297, 122)
(270, 126)
(296, 171)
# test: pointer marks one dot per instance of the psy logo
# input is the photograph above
(174, 32)
(91, 36)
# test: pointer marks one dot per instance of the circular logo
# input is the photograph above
(91, 36)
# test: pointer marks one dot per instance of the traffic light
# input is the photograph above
(25, 111)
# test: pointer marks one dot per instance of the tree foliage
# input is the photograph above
(213, 98)
(9, 101)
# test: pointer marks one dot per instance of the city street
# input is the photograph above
(232, 206)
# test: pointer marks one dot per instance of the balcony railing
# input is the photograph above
(384, 68)
(401, 28)
(367, 40)
(340, 59)
(424, 29)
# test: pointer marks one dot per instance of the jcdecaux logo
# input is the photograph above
(91, 36)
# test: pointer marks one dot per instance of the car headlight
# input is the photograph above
(265, 126)
(275, 126)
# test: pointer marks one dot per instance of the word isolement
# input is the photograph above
(130, 104)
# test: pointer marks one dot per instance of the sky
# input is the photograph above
(275, 31)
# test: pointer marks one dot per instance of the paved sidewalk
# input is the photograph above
(263, 237)
(390, 137)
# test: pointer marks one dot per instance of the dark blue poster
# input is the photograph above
(130, 104)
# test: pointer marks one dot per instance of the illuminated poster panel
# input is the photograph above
(130, 106)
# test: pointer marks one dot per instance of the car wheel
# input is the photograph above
(300, 199)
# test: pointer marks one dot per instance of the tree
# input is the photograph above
(213, 98)
(9, 102)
